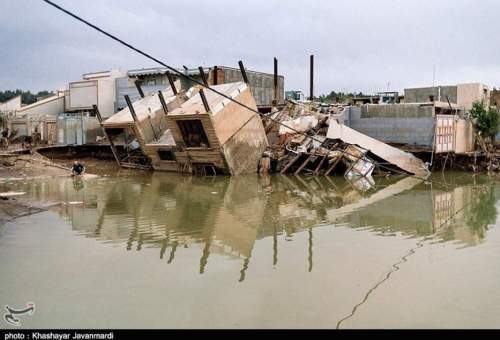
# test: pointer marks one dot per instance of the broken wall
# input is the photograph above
(244, 150)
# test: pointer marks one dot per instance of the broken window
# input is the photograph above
(166, 155)
(193, 133)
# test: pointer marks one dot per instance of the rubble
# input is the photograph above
(306, 138)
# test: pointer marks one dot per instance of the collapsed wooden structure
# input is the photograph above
(214, 135)
(221, 132)
(191, 132)
(130, 130)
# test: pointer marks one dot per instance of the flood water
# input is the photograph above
(165, 251)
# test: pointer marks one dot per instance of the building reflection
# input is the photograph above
(228, 215)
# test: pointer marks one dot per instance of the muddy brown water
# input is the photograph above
(144, 250)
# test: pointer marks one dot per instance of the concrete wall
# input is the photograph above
(396, 110)
(422, 94)
(464, 95)
(470, 93)
(106, 90)
(48, 107)
(400, 129)
(261, 84)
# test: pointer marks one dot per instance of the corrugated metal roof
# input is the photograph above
(163, 70)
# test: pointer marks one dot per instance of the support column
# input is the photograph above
(111, 144)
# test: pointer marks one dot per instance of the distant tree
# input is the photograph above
(26, 96)
(339, 97)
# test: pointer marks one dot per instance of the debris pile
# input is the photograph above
(307, 139)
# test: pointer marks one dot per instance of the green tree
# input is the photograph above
(485, 121)
(26, 96)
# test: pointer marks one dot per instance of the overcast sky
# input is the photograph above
(359, 45)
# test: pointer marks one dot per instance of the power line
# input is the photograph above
(174, 70)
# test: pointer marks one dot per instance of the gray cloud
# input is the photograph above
(359, 45)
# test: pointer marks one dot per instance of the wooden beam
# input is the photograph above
(204, 100)
(290, 163)
(131, 108)
(334, 164)
(304, 164)
(311, 78)
(275, 97)
(203, 76)
(139, 88)
(216, 75)
(163, 103)
(323, 159)
(243, 72)
(171, 82)
(111, 144)
(316, 171)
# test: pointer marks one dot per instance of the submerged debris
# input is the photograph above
(305, 140)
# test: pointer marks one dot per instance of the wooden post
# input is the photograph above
(295, 159)
(275, 99)
(334, 164)
(243, 72)
(203, 76)
(111, 144)
(204, 100)
(311, 78)
(304, 164)
(318, 168)
(316, 171)
(171, 82)
(216, 75)
(139, 89)
(163, 103)
(131, 108)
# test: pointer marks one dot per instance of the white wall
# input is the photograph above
(106, 87)
(467, 94)
(51, 106)
(82, 95)
(11, 104)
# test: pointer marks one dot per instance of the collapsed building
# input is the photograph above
(131, 129)
(190, 132)
(214, 134)
(67, 116)
(305, 140)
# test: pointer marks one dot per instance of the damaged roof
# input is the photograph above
(215, 101)
(143, 108)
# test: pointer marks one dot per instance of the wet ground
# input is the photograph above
(164, 251)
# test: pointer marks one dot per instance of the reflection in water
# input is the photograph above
(227, 215)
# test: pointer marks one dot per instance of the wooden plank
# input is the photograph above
(304, 164)
(292, 161)
(316, 171)
(334, 164)
(111, 144)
